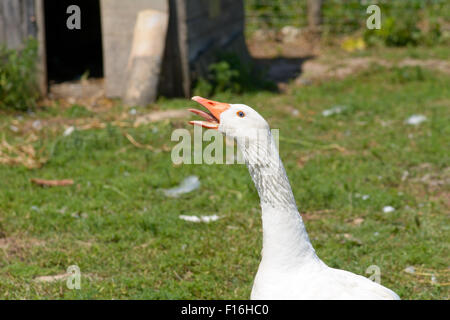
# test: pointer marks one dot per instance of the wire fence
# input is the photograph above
(339, 16)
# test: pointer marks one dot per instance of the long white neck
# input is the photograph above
(285, 240)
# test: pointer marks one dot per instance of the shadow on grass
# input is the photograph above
(281, 69)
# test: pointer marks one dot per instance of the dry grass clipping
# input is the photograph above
(144, 146)
(52, 183)
(430, 276)
(23, 154)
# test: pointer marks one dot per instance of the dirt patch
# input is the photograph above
(160, 116)
(88, 92)
(428, 182)
(433, 64)
(18, 246)
(316, 215)
(320, 70)
(302, 60)
(267, 44)
(280, 55)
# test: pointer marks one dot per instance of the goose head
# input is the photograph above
(233, 120)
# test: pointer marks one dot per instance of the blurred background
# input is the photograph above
(91, 92)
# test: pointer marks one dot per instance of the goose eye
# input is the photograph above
(240, 114)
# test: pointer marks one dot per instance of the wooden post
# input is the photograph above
(42, 61)
(315, 14)
(146, 57)
(174, 80)
(183, 46)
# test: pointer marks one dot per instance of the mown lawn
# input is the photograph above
(128, 240)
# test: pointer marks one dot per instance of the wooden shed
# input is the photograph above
(196, 31)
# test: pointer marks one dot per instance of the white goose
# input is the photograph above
(290, 268)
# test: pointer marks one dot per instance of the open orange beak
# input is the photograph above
(212, 117)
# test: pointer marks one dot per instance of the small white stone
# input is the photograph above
(68, 131)
(210, 218)
(37, 125)
(196, 219)
(405, 175)
(416, 119)
(410, 269)
(433, 279)
(189, 184)
(189, 218)
(290, 33)
(388, 209)
(334, 110)
(62, 210)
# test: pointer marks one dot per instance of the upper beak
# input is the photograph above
(213, 116)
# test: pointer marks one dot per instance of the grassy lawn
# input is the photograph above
(128, 240)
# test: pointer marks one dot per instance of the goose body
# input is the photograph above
(316, 282)
(289, 268)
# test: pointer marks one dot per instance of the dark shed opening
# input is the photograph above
(73, 53)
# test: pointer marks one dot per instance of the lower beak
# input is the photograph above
(213, 116)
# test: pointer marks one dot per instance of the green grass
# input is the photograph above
(127, 239)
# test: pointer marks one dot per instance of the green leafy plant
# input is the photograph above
(226, 78)
(222, 77)
(231, 75)
(18, 83)
(395, 33)
(203, 87)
